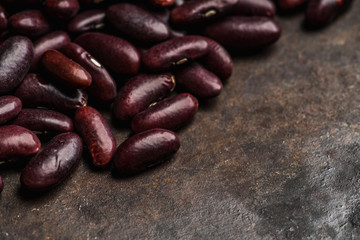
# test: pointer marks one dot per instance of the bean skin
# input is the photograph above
(16, 54)
(198, 81)
(31, 23)
(162, 3)
(35, 91)
(90, 2)
(53, 163)
(170, 113)
(65, 70)
(96, 134)
(174, 52)
(244, 33)
(62, 9)
(141, 91)
(17, 142)
(196, 11)
(44, 121)
(3, 19)
(87, 21)
(54, 40)
(115, 53)
(137, 23)
(264, 8)
(10, 107)
(1, 184)
(144, 150)
(291, 4)
(103, 86)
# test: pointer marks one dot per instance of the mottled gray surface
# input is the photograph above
(275, 156)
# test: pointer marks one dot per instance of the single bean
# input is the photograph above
(144, 150)
(17, 142)
(87, 21)
(10, 107)
(1, 184)
(53, 163)
(170, 113)
(44, 121)
(174, 52)
(103, 86)
(35, 91)
(198, 81)
(115, 53)
(255, 8)
(62, 9)
(3, 19)
(141, 91)
(54, 40)
(16, 54)
(244, 33)
(31, 23)
(65, 70)
(96, 134)
(291, 4)
(137, 23)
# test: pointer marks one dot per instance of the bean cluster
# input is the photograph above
(57, 57)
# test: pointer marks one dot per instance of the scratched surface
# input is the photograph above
(275, 156)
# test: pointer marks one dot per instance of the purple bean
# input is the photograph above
(198, 81)
(141, 91)
(17, 142)
(10, 106)
(53, 163)
(31, 23)
(103, 86)
(162, 3)
(291, 4)
(62, 9)
(87, 21)
(244, 33)
(3, 19)
(144, 150)
(174, 52)
(115, 53)
(16, 54)
(170, 113)
(254, 8)
(35, 91)
(44, 121)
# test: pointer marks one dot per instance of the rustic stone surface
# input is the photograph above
(275, 156)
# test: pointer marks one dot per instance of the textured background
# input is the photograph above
(276, 155)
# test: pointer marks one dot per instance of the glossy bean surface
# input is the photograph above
(31, 23)
(87, 21)
(62, 9)
(96, 134)
(115, 53)
(53, 163)
(291, 4)
(244, 33)
(170, 113)
(144, 150)
(254, 8)
(44, 121)
(141, 91)
(10, 107)
(162, 3)
(65, 70)
(174, 52)
(36, 91)
(3, 19)
(17, 142)
(16, 55)
(103, 86)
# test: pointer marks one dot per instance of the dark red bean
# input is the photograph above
(170, 113)
(54, 40)
(141, 91)
(137, 23)
(17, 142)
(174, 52)
(90, 2)
(291, 4)
(103, 86)
(115, 53)
(218, 60)
(87, 21)
(255, 8)
(1, 184)
(65, 70)
(30, 23)
(44, 121)
(3, 19)
(244, 33)
(35, 91)
(62, 9)
(96, 134)
(198, 81)
(196, 11)
(144, 150)
(10, 106)
(16, 54)
(53, 163)
(321, 12)
(162, 3)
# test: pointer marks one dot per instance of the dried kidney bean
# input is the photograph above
(62, 9)
(10, 107)
(31, 23)
(3, 19)
(254, 8)
(87, 21)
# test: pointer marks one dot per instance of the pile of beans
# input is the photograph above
(55, 55)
